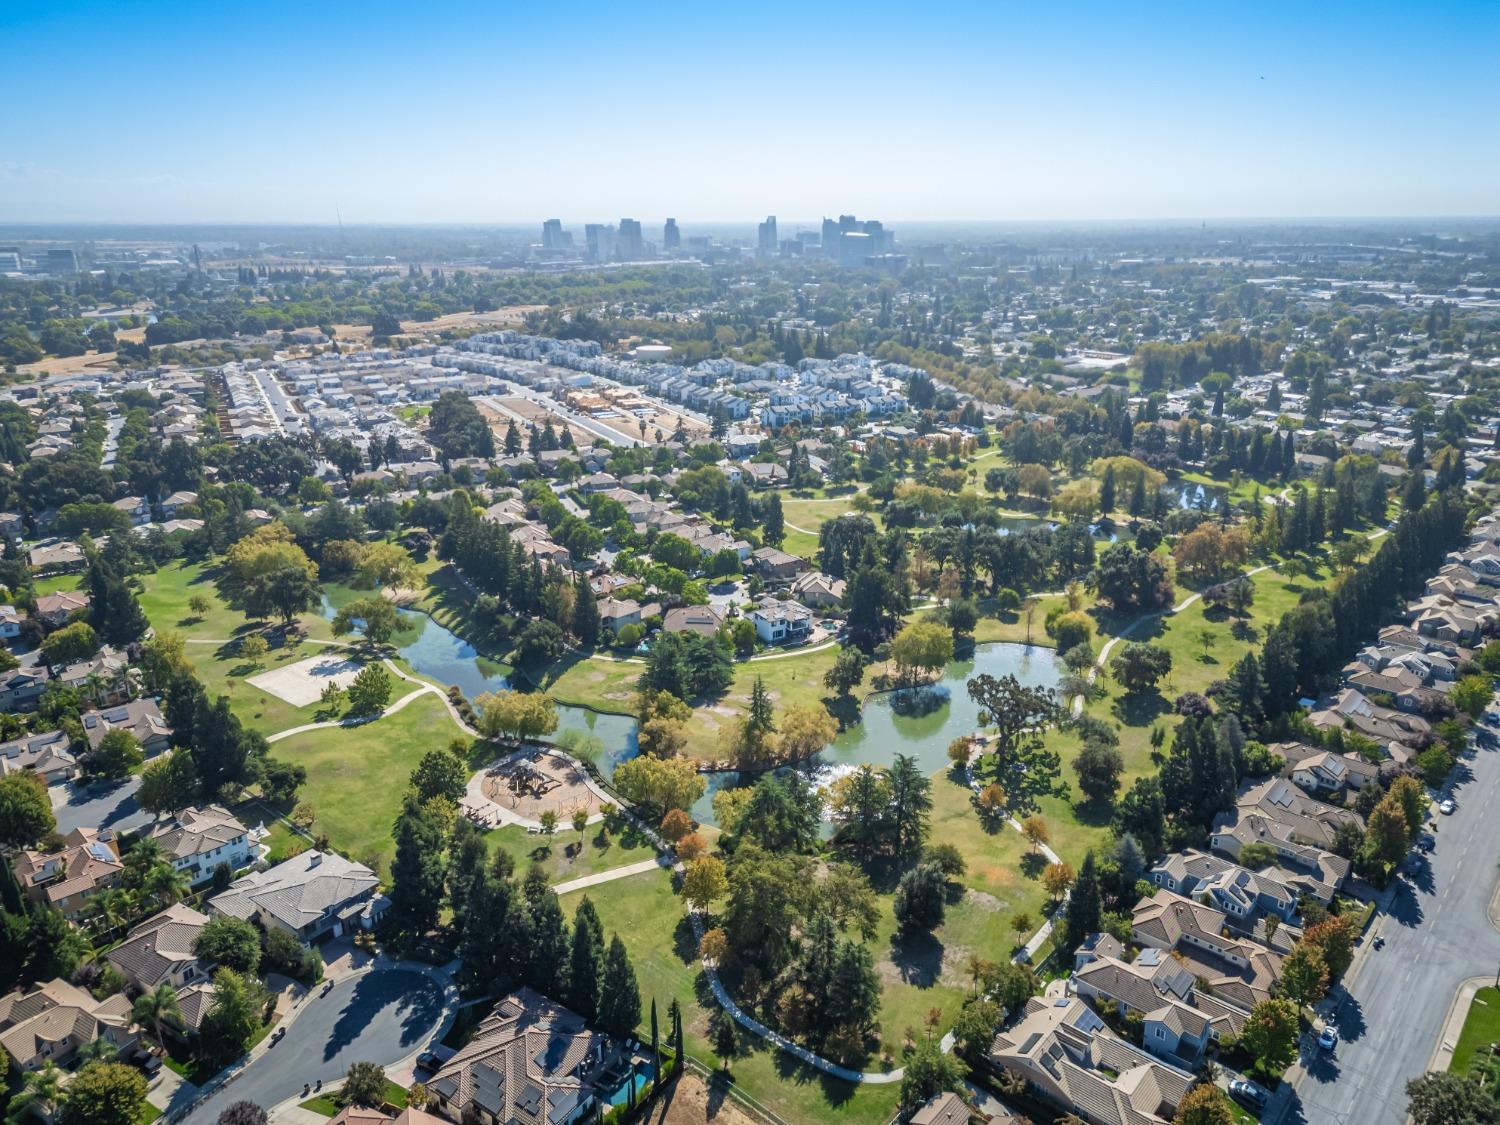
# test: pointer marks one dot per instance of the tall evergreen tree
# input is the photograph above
(417, 869)
(585, 962)
(773, 526)
(585, 613)
(1084, 912)
(619, 995)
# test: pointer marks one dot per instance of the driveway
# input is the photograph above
(1438, 933)
(381, 1016)
(99, 806)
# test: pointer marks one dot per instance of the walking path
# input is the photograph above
(622, 872)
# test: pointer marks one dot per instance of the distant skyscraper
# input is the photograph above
(671, 239)
(767, 244)
(61, 260)
(600, 240)
(850, 241)
(552, 234)
(628, 242)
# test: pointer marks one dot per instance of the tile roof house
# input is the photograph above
(1310, 819)
(66, 879)
(1236, 969)
(701, 619)
(1067, 1053)
(312, 896)
(531, 1062)
(21, 688)
(778, 622)
(1153, 981)
(1312, 869)
(141, 717)
(50, 1023)
(1240, 893)
(160, 950)
(49, 756)
(774, 563)
(53, 610)
(197, 840)
(816, 589)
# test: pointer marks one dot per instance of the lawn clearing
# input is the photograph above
(1481, 1029)
(562, 858)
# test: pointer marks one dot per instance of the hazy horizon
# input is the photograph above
(175, 113)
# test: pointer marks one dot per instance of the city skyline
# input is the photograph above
(962, 113)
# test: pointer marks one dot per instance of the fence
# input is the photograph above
(717, 1079)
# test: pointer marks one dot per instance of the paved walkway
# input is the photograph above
(623, 872)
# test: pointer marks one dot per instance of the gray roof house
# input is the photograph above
(312, 896)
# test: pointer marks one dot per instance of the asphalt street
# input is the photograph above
(381, 1016)
(1437, 935)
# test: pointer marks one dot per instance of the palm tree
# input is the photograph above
(93, 685)
(109, 909)
(165, 884)
(155, 1006)
(43, 1089)
(100, 1049)
(140, 859)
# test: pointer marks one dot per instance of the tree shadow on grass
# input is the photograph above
(790, 1069)
(1140, 710)
(684, 941)
(918, 958)
(1033, 864)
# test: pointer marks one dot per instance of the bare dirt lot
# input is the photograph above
(691, 1102)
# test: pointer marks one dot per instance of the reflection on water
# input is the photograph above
(920, 721)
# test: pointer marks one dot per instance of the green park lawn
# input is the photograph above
(356, 775)
(651, 922)
(562, 859)
(804, 518)
(1481, 1029)
(57, 583)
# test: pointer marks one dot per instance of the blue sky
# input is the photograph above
(499, 111)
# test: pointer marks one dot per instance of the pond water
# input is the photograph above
(1199, 497)
(920, 722)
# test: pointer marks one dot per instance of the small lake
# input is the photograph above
(920, 722)
(1197, 497)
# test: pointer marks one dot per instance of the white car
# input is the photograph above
(1328, 1038)
(1446, 806)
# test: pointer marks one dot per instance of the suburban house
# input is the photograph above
(49, 756)
(1311, 820)
(778, 622)
(1240, 893)
(532, 1060)
(105, 679)
(137, 508)
(196, 841)
(160, 950)
(1326, 772)
(21, 688)
(313, 896)
(141, 717)
(701, 619)
(171, 505)
(816, 589)
(1069, 1055)
(776, 564)
(1313, 870)
(56, 558)
(53, 1020)
(364, 1115)
(53, 610)
(615, 614)
(66, 879)
(11, 621)
(1198, 936)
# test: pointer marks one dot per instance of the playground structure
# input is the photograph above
(522, 786)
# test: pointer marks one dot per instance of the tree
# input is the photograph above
(1304, 975)
(1140, 667)
(516, 714)
(910, 804)
(160, 1004)
(364, 1084)
(928, 1072)
(619, 996)
(233, 1016)
(540, 643)
(284, 592)
(586, 622)
(117, 754)
(25, 810)
(1472, 694)
(1099, 766)
(726, 1043)
(704, 881)
(805, 729)
(923, 647)
(1084, 911)
(1022, 763)
(376, 617)
(105, 1093)
(1407, 792)
(113, 611)
(660, 784)
(253, 649)
(231, 942)
(755, 733)
(168, 784)
(773, 522)
(1449, 1098)
(1333, 938)
(199, 606)
(661, 723)
(920, 900)
(1034, 828)
(1270, 1035)
(440, 774)
(1205, 1104)
(243, 1113)
(370, 691)
(70, 644)
(1386, 832)
(848, 671)
(1057, 878)
(585, 962)
(417, 869)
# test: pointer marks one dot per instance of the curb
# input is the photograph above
(1458, 1011)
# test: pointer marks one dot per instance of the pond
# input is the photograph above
(920, 722)
(1198, 497)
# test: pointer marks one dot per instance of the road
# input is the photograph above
(583, 422)
(381, 1016)
(98, 806)
(1437, 935)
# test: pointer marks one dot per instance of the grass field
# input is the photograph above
(560, 857)
(357, 775)
(804, 518)
(1481, 1029)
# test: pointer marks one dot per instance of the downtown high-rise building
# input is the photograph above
(628, 243)
(554, 238)
(671, 237)
(766, 242)
(851, 242)
(599, 239)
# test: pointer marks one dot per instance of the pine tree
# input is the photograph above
(1084, 911)
(585, 962)
(1107, 491)
(549, 946)
(773, 530)
(585, 613)
(619, 996)
(417, 869)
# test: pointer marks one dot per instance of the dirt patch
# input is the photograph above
(692, 1102)
(982, 900)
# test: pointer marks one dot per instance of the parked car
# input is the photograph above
(429, 1061)
(1447, 806)
(1242, 1089)
(1328, 1038)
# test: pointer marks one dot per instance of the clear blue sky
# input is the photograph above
(976, 109)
